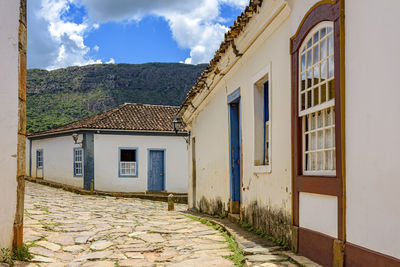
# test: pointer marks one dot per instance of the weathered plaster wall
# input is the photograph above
(372, 128)
(266, 196)
(12, 118)
(58, 160)
(106, 162)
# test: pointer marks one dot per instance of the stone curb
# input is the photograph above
(181, 198)
(247, 241)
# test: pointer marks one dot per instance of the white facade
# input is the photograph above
(372, 131)
(9, 117)
(371, 134)
(58, 161)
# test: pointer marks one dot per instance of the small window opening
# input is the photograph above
(128, 163)
(262, 122)
(39, 159)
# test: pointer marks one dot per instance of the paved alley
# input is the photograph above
(67, 229)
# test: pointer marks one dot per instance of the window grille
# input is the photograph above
(78, 162)
(128, 168)
(127, 162)
(317, 101)
(39, 159)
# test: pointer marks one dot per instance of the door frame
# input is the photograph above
(149, 150)
(235, 98)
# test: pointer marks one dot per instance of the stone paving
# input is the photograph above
(67, 229)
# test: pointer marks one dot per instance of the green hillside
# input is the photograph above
(64, 95)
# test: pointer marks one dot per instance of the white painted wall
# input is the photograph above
(106, 162)
(372, 128)
(58, 160)
(269, 53)
(9, 65)
(372, 125)
(319, 213)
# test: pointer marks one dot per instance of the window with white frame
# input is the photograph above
(317, 101)
(128, 162)
(262, 120)
(39, 159)
(78, 161)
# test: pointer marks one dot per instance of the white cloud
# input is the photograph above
(55, 42)
(96, 48)
(236, 3)
(52, 41)
(195, 24)
(111, 61)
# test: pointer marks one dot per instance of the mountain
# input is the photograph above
(64, 95)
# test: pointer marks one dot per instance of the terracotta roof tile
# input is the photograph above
(131, 117)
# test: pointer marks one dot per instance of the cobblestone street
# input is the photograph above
(67, 229)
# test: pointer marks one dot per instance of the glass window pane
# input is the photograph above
(320, 140)
(331, 67)
(323, 71)
(316, 96)
(327, 159)
(330, 45)
(309, 43)
(323, 33)
(323, 49)
(320, 119)
(316, 74)
(330, 29)
(309, 78)
(328, 117)
(313, 163)
(307, 162)
(303, 101)
(306, 123)
(307, 136)
(320, 162)
(303, 62)
(331, 85)
(309, 103)
(312, 120)
(316, 37)
(323, 93)
(303, 81)
(316, 54)
(309, 58)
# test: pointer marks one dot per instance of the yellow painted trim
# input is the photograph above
(342, 110)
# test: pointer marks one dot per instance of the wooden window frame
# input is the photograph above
(76, 174)
(136, 162)
(39, 151)
(259, 80)
(333, 11)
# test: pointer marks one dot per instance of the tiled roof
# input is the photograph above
(131, 117)
(234, 31)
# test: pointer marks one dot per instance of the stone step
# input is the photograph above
(235, 218)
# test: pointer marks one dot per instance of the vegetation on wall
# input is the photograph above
(61, 96)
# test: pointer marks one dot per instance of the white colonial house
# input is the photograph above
(294, 128)
(131, 148)
(12, 120)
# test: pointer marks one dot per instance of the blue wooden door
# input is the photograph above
(235, 157)
(156, 171)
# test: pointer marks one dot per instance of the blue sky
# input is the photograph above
(63, 33)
